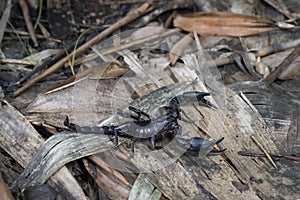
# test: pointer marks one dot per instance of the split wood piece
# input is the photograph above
(5, 193)
(143, 189)
(128, 18)
(112, 187)
(110, 170)
(29, 25)
(56, 152)
(21, 141)
(283, 66)
(265, 152)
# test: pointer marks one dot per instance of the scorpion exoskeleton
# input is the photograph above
(143, 126)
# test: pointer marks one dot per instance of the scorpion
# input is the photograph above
(142, 126)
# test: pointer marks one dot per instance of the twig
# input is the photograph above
(127, 45)
(276, 48)
(283, 65)
(43, 29)
(26, 14)
(24, 33)
(128, 18)
(4, 19)
(265, 152)
(48, 62)
(17, 61)
(260, 53)
(261, 154)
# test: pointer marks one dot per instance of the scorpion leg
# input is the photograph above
(116, 137)
(133, 140)
(139, 113)
(152, 141)
(71, 126)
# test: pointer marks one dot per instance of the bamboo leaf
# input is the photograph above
(224, 24)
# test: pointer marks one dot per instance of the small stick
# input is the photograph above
(25, 11)
(24, 34)
(261, 154)
(265, 152)
(4, 19)
(126, 45)
(128, 18)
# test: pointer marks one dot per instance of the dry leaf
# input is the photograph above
(179, 47)
(223, 24)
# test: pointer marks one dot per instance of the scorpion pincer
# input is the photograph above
(143, 126)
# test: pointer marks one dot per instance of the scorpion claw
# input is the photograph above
(139, 113)
(69, 125)
(199, 96)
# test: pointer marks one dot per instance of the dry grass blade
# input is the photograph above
(265, 152)
(224, 24)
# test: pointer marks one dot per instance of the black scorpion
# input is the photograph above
(144, 127)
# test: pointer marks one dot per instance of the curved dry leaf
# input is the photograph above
(178, 48)
(223, 24)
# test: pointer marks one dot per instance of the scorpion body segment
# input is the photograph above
(144, 127)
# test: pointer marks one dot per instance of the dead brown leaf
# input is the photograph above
(223, 24)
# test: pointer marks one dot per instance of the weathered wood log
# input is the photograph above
(21, 141)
